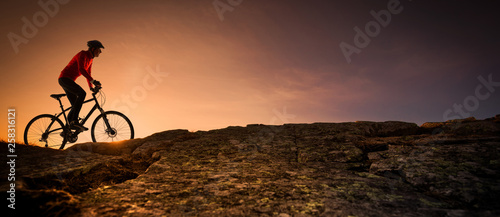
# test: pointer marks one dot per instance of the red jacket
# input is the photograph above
(81, 64)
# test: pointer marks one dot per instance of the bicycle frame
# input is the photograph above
(96, 107)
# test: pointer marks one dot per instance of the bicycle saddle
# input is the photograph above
(57, 96)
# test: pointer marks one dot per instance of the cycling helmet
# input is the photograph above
(94, 44)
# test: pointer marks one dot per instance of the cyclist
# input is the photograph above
(81, 64)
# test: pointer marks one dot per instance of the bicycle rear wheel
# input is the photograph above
(120, 127)
(46, 131)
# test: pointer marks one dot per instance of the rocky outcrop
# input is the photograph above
(322, 169)
(468, 126)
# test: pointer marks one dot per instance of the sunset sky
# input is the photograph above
(205, 64)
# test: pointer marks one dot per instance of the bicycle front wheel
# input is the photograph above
(112, 126)
(46, 131)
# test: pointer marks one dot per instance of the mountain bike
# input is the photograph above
(49, 131)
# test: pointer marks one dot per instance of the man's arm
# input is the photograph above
(83, 61)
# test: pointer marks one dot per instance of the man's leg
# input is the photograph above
(72, 99)
(76, 96)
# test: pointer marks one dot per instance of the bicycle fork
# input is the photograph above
(109, 130)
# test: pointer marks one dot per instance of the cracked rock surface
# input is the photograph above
(321, 169)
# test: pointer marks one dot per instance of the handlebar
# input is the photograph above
(96, 89)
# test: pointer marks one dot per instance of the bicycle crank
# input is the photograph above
(72, 138)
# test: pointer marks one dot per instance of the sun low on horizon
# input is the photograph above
(202, 65)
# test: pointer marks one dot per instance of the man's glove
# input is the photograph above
(96, 83)
(95, 89)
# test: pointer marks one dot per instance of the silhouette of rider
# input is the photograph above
(81, 64)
